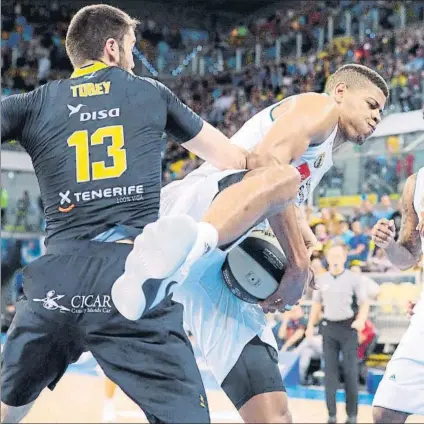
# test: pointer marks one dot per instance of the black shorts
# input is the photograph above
(256, 372)
(68, 310)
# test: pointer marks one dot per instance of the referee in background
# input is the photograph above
(339, 291)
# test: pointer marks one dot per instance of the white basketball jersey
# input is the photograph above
(313, 164)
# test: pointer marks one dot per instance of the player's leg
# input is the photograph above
(35, 356)
(383, 415)
(109, 411)
(258, 195)
(255, 386)
(152, 361)
(400, 392)
(158, 252)
(13, 414)
(245, 199)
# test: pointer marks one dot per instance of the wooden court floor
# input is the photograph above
(79, 399)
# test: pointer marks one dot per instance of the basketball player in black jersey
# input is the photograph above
(95, 141)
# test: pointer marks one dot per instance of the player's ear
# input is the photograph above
(111, 51)
(339, 92)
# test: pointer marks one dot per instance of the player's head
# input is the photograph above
(101, 32)
(361, 94)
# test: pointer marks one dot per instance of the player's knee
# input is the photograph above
(281, 416)
(381, 415)
(284, 182)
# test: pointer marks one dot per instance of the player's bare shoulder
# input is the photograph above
(317, 113)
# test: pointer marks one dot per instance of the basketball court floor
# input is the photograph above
(78, 398)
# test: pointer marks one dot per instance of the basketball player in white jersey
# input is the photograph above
(401, 391)
(302, 131)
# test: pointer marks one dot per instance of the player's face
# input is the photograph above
(126, 60)
(361, 112)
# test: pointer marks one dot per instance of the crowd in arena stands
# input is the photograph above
(33, 53)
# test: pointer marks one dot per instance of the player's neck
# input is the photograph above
(339, 139)
(93, 61)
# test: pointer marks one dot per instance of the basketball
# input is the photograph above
(253, 269)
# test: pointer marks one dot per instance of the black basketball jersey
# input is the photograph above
(96, 142)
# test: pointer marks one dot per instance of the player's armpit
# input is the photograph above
(406, 252)
(214, 147)
(305, 120)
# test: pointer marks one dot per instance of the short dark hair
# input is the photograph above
(91, 27)
(353, 75)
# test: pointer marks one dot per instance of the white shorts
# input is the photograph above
(221, 323)
(402, 387)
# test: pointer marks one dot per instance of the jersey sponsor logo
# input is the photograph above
(319, 161)
(66, 201)
(75, 109)
(50, 302)
(94, 115)
(91, 89)
(79, 303)
(304, 171)
(303, 193)
(100, 115)
(122, 194)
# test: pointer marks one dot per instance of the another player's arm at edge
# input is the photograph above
(406, 252)
(305, 120)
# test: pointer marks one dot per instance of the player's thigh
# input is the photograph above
(152, 361)
(35, 355)
(255, 372)
(195, 194)
(402, 386)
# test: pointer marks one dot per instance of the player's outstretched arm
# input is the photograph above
(13, 114)
(198, 136)
(406, 252)
(305, 120)
(214, 147)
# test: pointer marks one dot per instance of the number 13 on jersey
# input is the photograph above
(99, 171)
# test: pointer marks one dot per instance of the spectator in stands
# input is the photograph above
(369, 217)
(358, 244)
(4, 202)
(22, 208)
(292, 329)
(309, 349)
(385, 210)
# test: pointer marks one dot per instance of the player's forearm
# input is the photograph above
(287, 231)
(214, 147)
(307, 233)
(399, 256)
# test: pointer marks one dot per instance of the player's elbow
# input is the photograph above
(283, 182)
